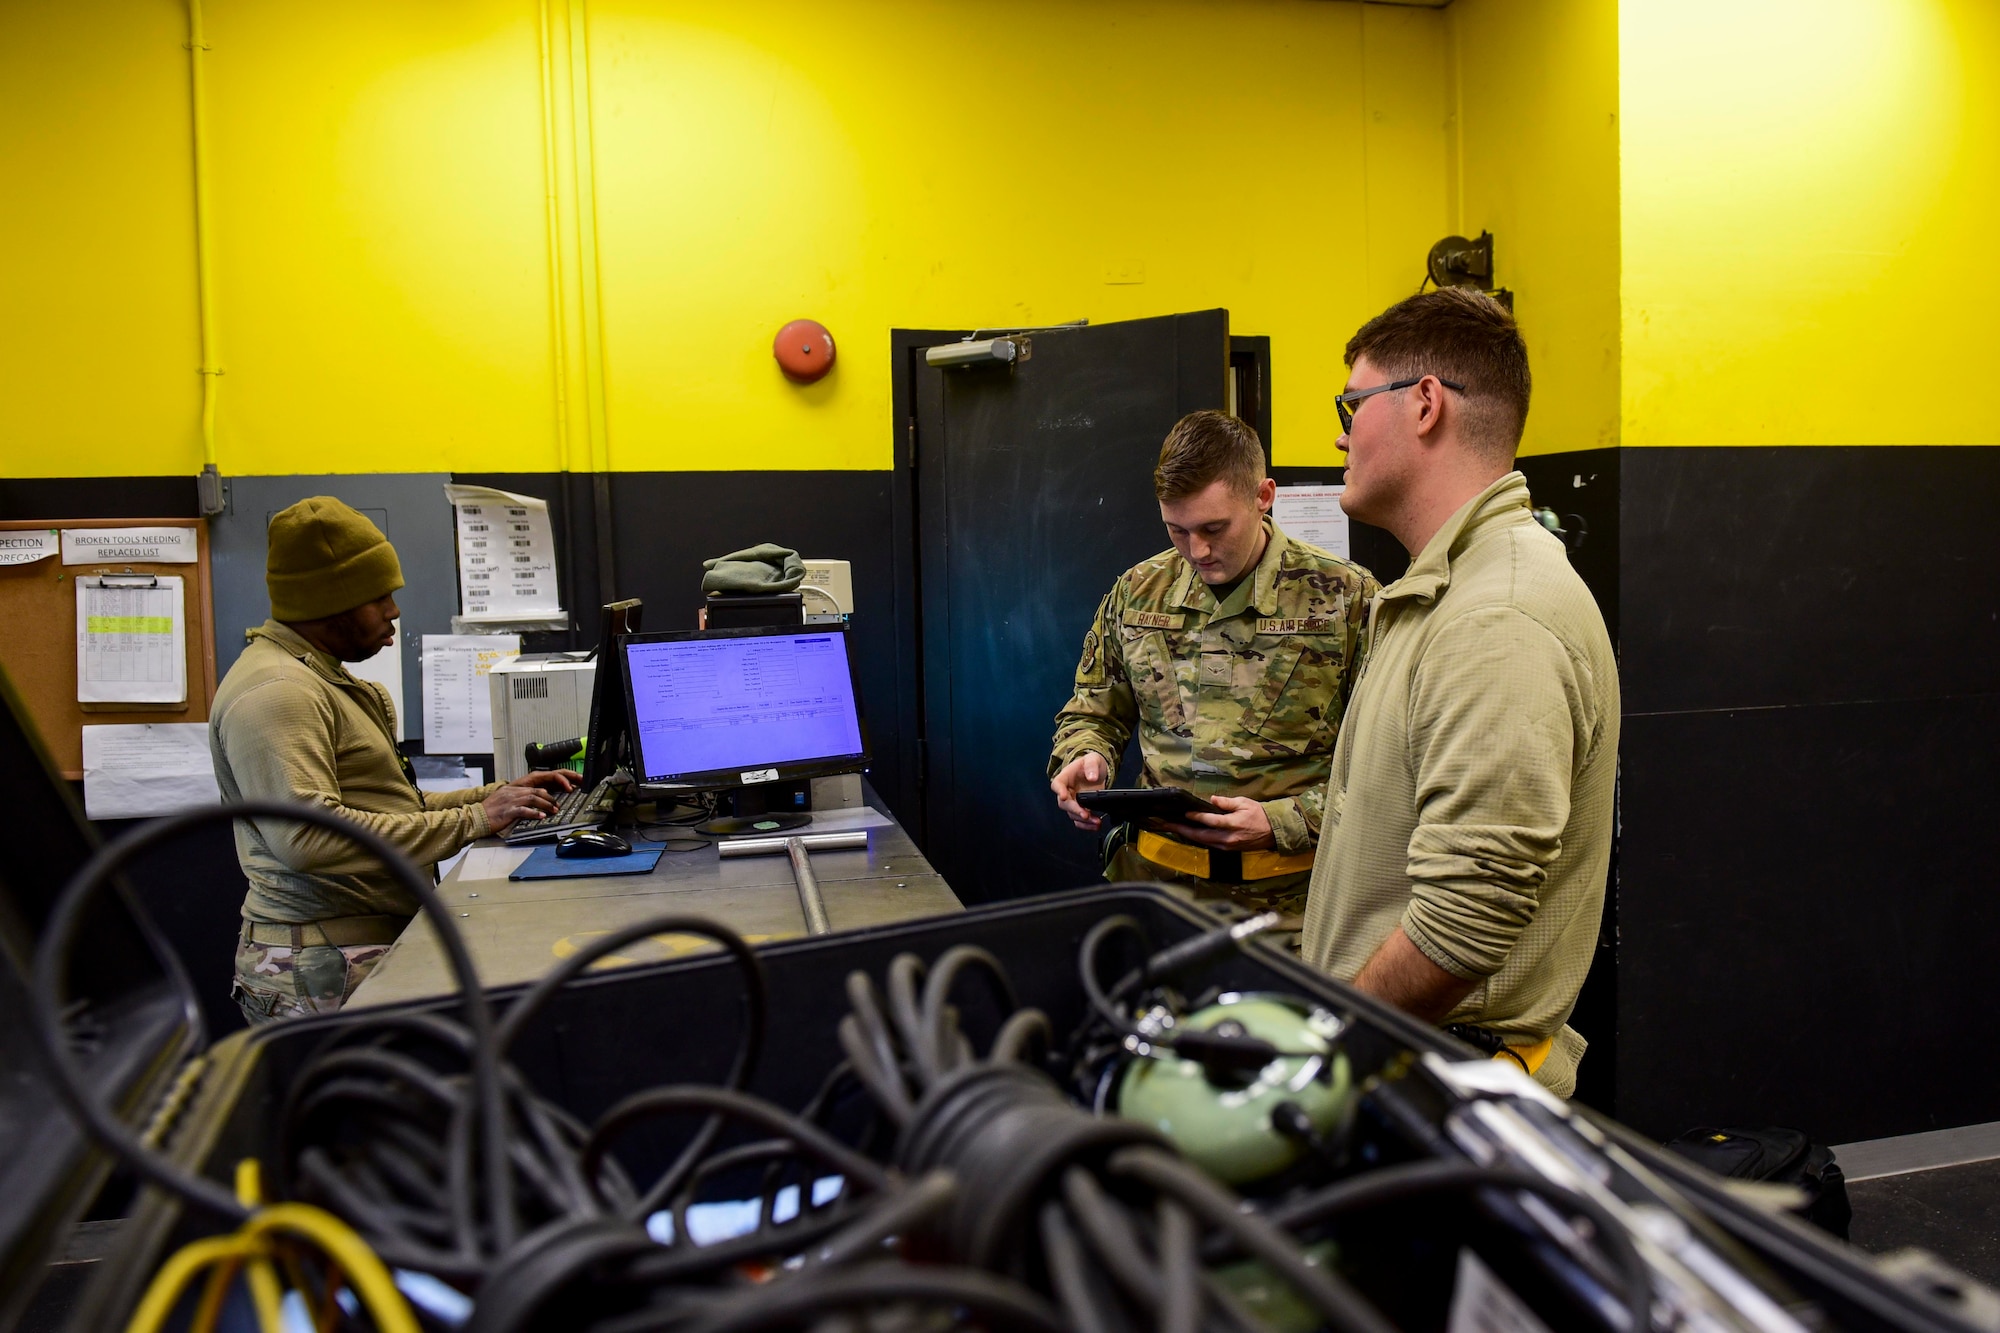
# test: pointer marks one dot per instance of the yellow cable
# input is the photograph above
(252, 1247)
(367, 1275)
(220, 1277)
(249, 1183)
(179, 1270)
(267, 1294)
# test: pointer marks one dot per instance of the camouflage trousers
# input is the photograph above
(1283, 894)
(276, 981)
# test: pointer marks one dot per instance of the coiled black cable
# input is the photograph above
(415, 1128)
(1416, 1180)
(50, 984)
(1344, 1307)
(871, 1286)
(1047, 1191)
(757, 998)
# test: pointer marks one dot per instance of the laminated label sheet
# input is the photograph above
(145, 769)
(506, 555)
(131, 640)
(1313, 514)
(458, 707)
(24, 548)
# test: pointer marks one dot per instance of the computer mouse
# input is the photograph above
(592, 842)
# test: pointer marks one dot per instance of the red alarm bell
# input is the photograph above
(804, 350)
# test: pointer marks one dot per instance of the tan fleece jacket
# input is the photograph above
(290, 723)
(1473, 781)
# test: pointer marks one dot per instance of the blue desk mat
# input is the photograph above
(543, 863)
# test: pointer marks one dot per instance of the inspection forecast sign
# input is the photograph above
(24, 548)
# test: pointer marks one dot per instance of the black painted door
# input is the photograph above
(1034, 491)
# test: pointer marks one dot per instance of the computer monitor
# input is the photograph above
(717, 709)
(608, 725)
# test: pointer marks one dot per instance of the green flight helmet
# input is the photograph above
(1222, 1123)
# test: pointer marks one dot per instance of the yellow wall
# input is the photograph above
(381, 254)
(98, 345)
(1810, 192)
(1805, 189)
(1535, 161)
(889, 164)
(382, 240)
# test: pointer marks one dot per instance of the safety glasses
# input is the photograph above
(1344, 404)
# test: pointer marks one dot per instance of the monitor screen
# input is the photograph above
(742, 706)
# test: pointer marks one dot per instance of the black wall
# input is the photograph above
(1804, 901)
(666, 523)
(97, 497)
(1807, 904)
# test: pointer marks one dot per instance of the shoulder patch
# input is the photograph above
(1090, 670)
(1156, 619)
(1296, 625)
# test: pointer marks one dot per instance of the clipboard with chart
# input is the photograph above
(131, 639)
(107, 620)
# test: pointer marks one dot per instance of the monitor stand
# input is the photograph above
(729, 826)
(764, 807)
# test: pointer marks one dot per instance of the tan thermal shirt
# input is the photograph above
(291, 724)
(1471, 799)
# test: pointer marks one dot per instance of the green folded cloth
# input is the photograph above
(765, 568)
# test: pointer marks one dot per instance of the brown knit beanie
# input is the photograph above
(325, 558)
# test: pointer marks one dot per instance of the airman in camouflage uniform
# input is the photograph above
(278, 981)
(291, 724)
(1237, 698)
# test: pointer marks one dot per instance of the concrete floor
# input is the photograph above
(1952, 1211)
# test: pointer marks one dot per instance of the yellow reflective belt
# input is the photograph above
(1530, 1058)
(1164, 851)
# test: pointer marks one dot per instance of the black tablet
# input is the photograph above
(1126, 803)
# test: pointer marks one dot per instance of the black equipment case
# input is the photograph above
(605, 1036)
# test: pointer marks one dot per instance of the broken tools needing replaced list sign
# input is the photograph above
(129, 546)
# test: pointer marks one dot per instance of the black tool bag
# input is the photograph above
(1781, 1156)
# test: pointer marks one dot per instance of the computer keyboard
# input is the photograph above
(578, 809)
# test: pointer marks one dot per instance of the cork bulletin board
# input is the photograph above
(38, 637)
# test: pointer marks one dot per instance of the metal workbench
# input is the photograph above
(516, 931)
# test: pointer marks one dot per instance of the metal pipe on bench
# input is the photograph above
(810, 902)
(815, 842)
(800, 849)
